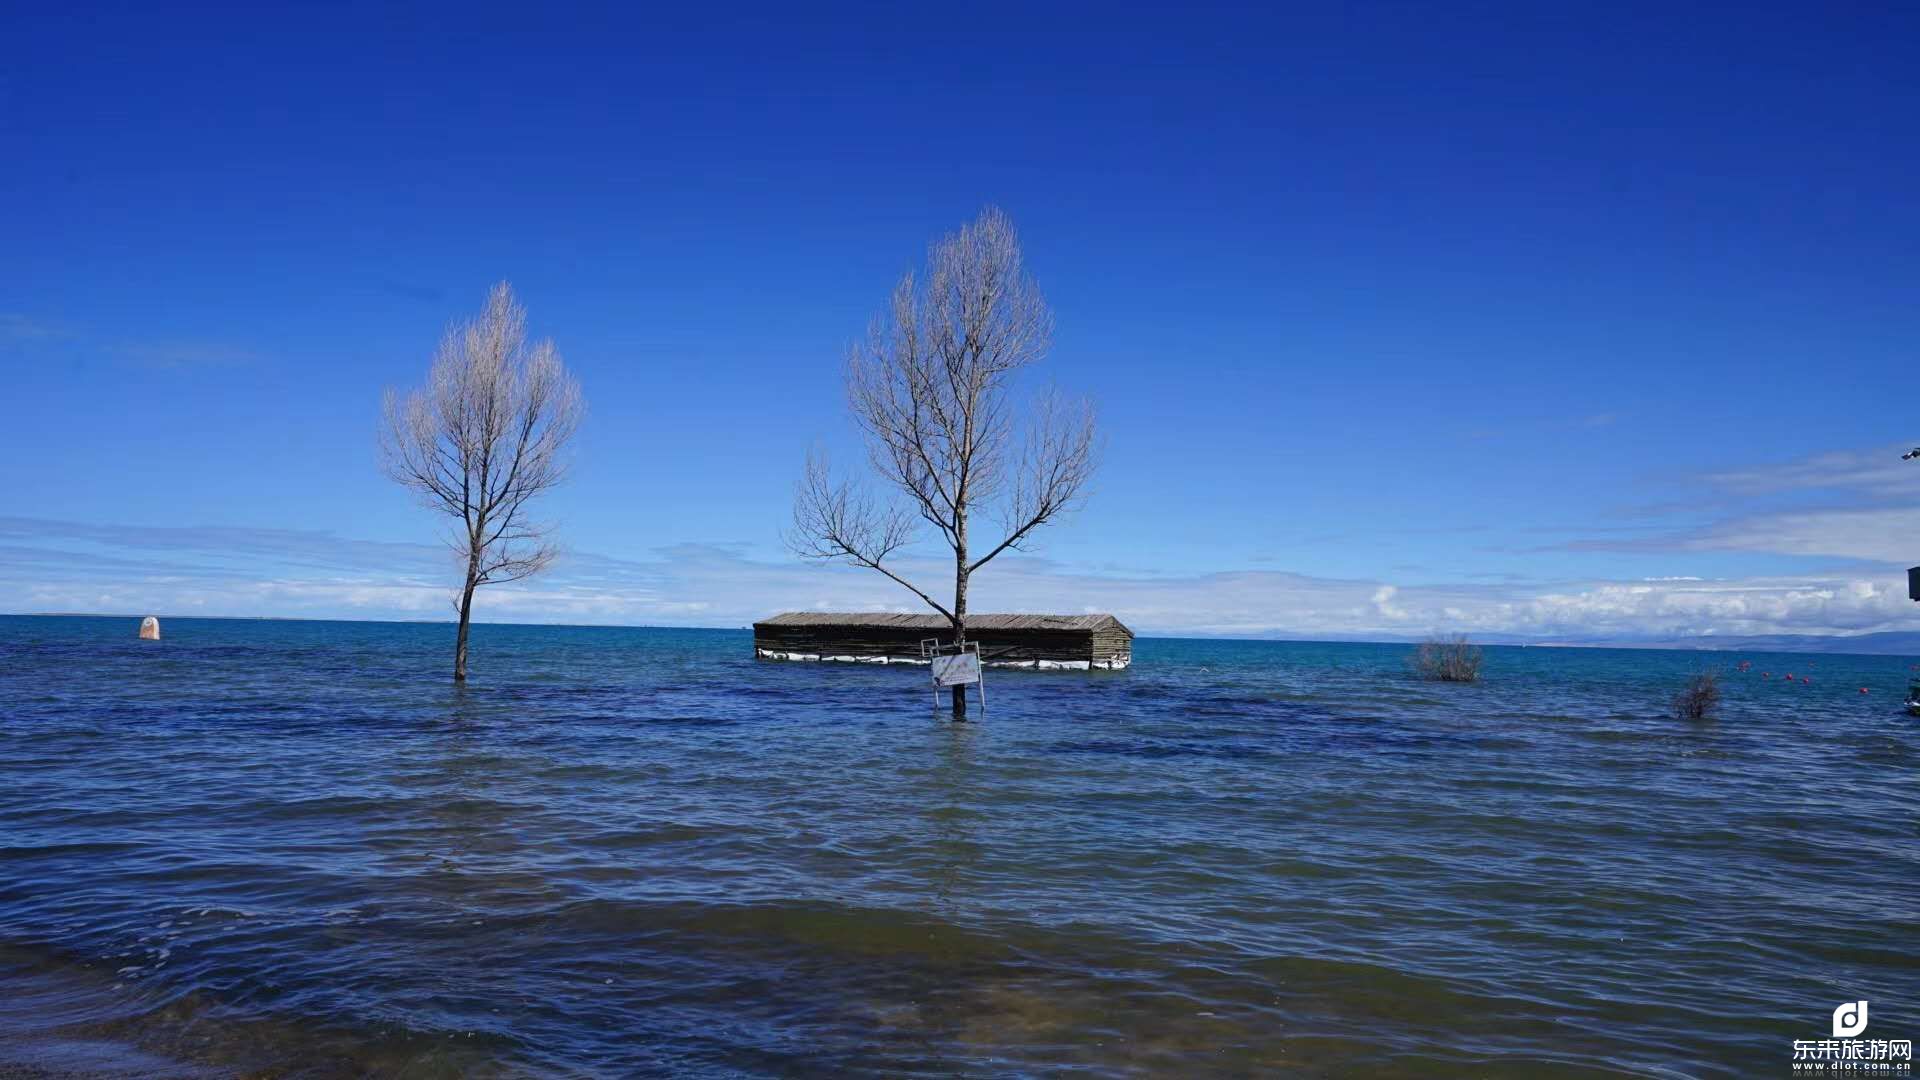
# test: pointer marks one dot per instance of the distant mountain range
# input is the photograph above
(1888, 643)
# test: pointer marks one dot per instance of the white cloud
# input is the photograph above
(1877, 471)
(1883, 535)
(1383, 603)
(17, 327)
(20, 331)
(1753, 606)
(1869, 512)
(180, 355)
(192, 571)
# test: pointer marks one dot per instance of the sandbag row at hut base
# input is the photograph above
(1115, 663)
(1030, 642)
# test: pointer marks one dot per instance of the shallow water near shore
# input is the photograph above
(294, 847)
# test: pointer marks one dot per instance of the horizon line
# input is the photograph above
(1513, 641)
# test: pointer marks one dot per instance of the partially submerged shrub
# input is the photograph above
(1448, 659)
(1701, 697)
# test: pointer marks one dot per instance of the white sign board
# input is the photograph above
(958, 669)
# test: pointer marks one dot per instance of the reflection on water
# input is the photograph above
(293, 848)
(949, 822)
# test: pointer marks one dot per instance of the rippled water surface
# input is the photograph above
(295, 848)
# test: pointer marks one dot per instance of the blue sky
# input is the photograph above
(1535, 319)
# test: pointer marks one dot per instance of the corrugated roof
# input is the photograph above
(899, 621)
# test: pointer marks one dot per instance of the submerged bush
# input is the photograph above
(1448, 659)
(1701, 697)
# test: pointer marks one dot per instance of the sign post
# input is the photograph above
(954, 666)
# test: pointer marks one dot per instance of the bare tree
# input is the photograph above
(1700, 697)
(480, 440)
(931, 388)
(1447, 659)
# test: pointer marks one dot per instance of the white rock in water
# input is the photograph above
(150, 629)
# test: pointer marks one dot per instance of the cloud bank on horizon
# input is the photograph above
(1857, 584)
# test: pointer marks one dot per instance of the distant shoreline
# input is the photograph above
(1882, 643)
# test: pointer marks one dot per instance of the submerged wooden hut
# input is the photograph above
(1076, 642)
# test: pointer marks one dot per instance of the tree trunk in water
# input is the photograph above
(460, 642)
(960, 630)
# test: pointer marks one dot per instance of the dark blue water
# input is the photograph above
(294, 848)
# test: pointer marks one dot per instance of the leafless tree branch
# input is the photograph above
(1056, 463)
(834, 521)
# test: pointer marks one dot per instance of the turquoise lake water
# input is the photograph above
(294, 848)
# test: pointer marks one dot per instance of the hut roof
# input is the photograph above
(899, 621)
